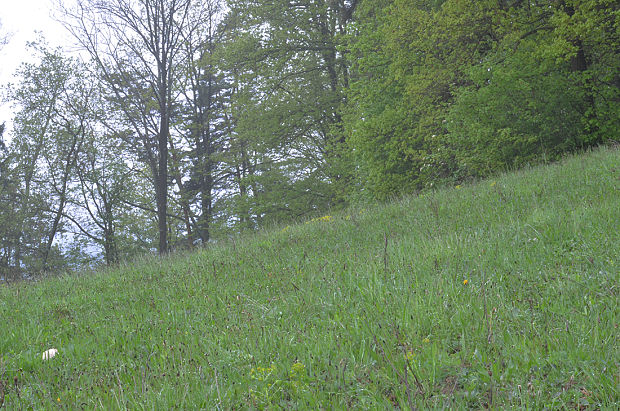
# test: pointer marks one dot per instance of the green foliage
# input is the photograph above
(376, 116)
(547, 89)
(455, 89)
(7, 210)
(70, 181)
(410, 62)
(515, 112)
(586, 33)
(290, 75)
(497, 295)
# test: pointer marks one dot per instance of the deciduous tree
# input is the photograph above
(137, 47)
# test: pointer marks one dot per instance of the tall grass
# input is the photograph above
(499, 294)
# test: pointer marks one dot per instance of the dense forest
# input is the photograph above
(186, 121)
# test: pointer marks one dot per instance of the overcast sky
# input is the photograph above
(21, 19)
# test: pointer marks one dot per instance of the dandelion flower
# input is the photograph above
(49, 354)
(465, 282)
(458, 187)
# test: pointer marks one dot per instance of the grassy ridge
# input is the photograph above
(503, 293)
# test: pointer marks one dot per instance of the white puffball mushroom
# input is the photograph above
(49, 354)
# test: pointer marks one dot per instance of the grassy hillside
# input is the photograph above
(503, 293)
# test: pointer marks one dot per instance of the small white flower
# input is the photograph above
(49, 354)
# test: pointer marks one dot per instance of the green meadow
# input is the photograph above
(496, 294)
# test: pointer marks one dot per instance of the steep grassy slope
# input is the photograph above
(503, 293)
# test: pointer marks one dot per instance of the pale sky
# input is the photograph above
(21, 19)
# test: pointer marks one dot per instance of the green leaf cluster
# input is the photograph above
(458, 89)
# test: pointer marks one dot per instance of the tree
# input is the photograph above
(5, 219)
(409, 67)
(104, 181)
(8, 197)
(446, 90)
(137, 47)
(550, 86)
(585, 34)
(50, 126)
(205, 90)
(290, 73)
(36, 167)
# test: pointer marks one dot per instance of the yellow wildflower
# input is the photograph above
(465, 282)
(261, 373)
(324, 218)
(297, 370)
(426, 341)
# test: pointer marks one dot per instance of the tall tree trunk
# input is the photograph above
(109, 242)
(176, 175)
(204, 104)
(161, 186)
(163, 138)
